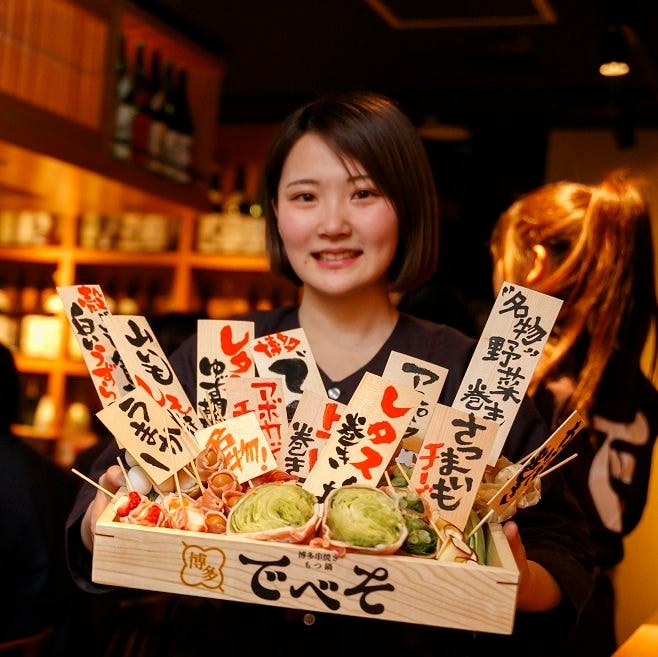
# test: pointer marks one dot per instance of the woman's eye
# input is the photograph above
(304, 197)
(364, 193)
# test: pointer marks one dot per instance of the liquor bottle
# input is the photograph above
(140, 99)
(182, 132)
(127, 301)
(161, 93)
(9, 312)
(215, 193)
(125, 110)
(50, 301)
(236, 202)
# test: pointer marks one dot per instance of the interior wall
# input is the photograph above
(585, 156)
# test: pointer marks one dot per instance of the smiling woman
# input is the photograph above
(352, 215)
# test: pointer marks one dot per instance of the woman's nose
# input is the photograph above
(335, 219)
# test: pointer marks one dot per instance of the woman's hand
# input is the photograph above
(112, 479)
(538, 590)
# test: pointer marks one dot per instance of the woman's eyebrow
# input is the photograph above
(302, 181)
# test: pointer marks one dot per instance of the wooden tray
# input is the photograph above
(389, 587)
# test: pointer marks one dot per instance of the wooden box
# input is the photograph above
(399, 588)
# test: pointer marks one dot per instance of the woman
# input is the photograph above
(352, 217)
(591, 246)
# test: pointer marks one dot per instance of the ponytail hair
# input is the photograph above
(599, 242)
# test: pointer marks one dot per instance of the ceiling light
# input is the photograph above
(434, 130)
(615, 53)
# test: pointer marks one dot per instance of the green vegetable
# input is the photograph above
(272, 506)
(477, 542)
(364, 517)
(421, 539)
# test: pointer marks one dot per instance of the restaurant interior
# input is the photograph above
(506, 95)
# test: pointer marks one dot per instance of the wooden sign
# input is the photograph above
(263, 397)
(149, 434)
(150, 369)
(505, 357)
(364, 440)
(245, 447)
(222, 352)
(451, 462)
(308, 432)
(87, 312)
(288, 354)
(421, 375)
(535, 465)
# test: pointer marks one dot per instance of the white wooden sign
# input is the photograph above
(364, 440)
(223, 352)
(149, 434)
(505, 357)
(288, 354)
(150, 369)
(308, 432)
(87, 312)
(452, 460)
(264, 397)
(421, 375)
(245, 447)
(538, 462)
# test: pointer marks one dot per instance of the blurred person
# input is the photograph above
(591, 246)
(352, 217)
(39, 595)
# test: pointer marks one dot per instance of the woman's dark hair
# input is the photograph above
(373, 131)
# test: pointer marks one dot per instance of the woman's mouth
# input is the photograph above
(334, 256)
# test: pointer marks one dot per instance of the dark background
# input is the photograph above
(507, 70)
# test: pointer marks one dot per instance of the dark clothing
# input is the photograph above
(610, 478)
(36, 585)
(554, 532)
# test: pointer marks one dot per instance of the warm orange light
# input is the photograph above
(614, 69)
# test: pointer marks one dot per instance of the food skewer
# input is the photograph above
(129, 485)
(93, 483)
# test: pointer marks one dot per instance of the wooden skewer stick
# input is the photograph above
(389, 483)
(93, 483)
(479, 524)
(129, 484)
(558, 465)
(403, 473)
(195, 474)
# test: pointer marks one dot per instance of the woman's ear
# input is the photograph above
(538, 265)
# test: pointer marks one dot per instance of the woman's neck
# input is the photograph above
(345, 334)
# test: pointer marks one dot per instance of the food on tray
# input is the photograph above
(365, 519)
(422, 537)
(495, 477)
(275, 511)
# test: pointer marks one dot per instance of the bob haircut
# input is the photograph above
(371, 130)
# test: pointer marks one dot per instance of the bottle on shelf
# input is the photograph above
(140, 98)
(125, 108)
(210, 229)
(128, 302)
(9, 312)
(110, 294)
(179, 139)
(41, 331)
(160, 96)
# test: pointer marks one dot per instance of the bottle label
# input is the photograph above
(125, 114)
(183, 145)
(157, 131)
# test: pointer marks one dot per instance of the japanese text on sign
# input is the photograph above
(505, 357)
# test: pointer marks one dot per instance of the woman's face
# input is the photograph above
(340, 234)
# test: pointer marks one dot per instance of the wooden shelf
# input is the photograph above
(56, 122)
